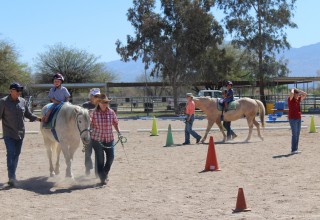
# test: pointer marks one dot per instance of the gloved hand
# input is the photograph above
(120, 136)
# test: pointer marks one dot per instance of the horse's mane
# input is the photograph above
(71, 109)
(77, 107)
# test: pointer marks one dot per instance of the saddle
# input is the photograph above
(231, 105)
(52, 117)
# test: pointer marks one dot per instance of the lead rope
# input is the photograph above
(123, 140)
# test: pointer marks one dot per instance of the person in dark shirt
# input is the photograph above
(13, 110)
(227, 124)
(90, 105)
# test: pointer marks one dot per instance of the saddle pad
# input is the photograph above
(231, 106)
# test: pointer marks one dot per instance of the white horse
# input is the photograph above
(72, 124)
(245, 107)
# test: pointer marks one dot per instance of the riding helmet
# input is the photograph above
(58, 76)
(229, 83)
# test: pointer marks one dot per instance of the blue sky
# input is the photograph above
(95, 25)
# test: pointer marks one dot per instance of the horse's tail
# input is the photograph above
(262, 111)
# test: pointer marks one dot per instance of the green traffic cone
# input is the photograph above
(169, 137)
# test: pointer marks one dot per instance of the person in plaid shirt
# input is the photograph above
(103, 119)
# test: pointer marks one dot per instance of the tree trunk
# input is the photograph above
(175, 97)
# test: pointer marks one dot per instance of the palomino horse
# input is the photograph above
(72, 124)
(245, 107)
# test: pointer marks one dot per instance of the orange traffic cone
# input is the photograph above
(211, 162)
(241, 205)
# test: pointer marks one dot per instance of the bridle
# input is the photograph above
(84, 130)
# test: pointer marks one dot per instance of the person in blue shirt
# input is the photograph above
(227, 124)
(229, 96)
(57, 94)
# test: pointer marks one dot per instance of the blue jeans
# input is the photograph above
(227, 126)
(101, 149)
(295, 125)
(13, 151)
(87, 158)
(188, 130)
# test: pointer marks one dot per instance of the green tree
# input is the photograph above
(259, 27)
(174, 40)
(11, 70)
(77, 66)
(222, 64)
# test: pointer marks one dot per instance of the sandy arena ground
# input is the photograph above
(150, 181)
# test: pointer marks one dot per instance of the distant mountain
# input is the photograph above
(303, 61)
(126, 71)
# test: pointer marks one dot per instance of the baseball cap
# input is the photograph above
(94, 91)
(16, 86)
(189, 95)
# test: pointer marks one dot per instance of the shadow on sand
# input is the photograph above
(283, 155)
(44, 185)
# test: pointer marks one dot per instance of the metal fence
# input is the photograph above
(155, 104)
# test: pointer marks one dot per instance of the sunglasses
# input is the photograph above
(18, 90)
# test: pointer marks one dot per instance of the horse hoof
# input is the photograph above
(69, 176)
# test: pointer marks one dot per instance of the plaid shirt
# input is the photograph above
(101, 125)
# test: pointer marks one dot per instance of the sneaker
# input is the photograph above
(186, 143)
(295, 152)
(12, 182)
(198, 140)
(234, 136)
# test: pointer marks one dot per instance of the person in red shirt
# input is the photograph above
(102, 139)
(294, 116)
(190, 110)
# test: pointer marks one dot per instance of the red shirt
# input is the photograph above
(190, 109)
(101, 125)
(294, 108)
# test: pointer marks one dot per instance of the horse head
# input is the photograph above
(83, 124)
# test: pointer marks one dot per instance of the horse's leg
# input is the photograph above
(49, 144)
(66, 153)
(250, 125)
(258, 128)
(58, 151)
(222, 130)
(73, 149)
(209, 126)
